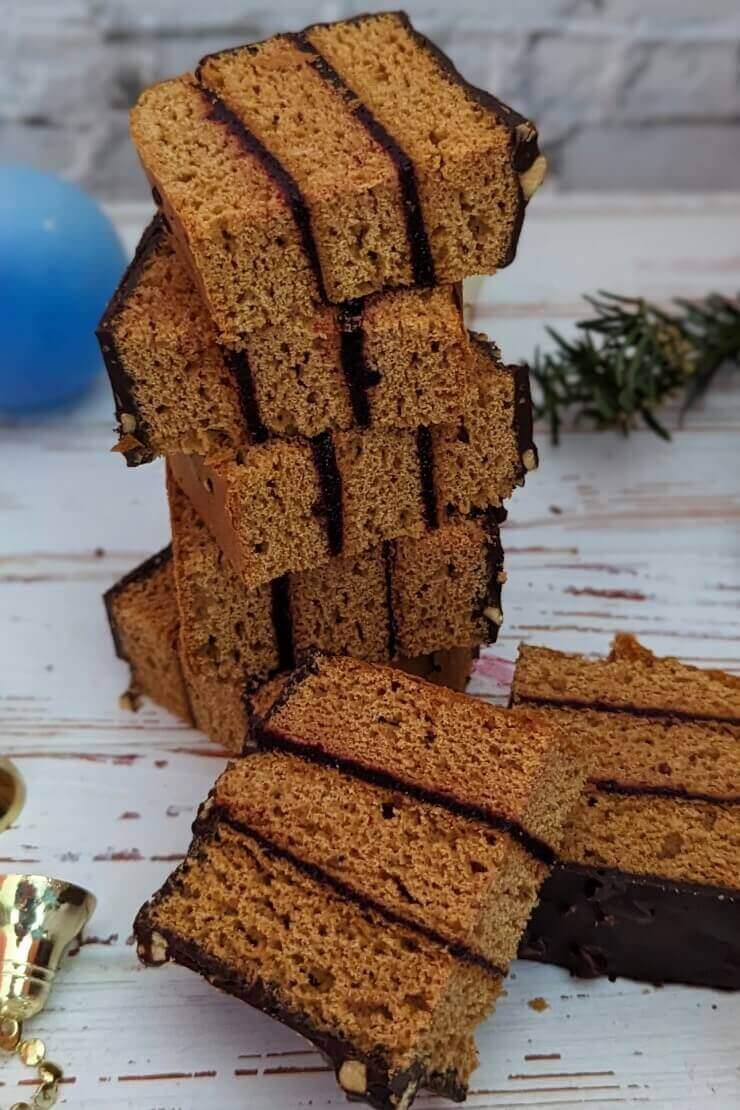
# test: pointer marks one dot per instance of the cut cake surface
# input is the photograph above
(331, 164)
(147, 631)
(402, 598)
(651, 854)
(374, 908)
(293, 504)
(389, 360)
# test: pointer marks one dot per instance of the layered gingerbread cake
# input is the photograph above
(396, 359)
(649, 883)
(332, 164)
(289, 505)
(207, 669)
(370, 868)
(144, 624)
(404, 598)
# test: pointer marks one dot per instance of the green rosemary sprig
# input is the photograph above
(631, 356)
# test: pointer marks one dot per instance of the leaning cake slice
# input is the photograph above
(371, 873)
(405, 598)
(288, 505)
(331, 164)
(649, 885)
(394, 359)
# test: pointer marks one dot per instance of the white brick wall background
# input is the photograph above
(628, 94)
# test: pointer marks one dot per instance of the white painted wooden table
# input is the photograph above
(610, 534)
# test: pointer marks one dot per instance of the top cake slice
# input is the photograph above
(331, 164)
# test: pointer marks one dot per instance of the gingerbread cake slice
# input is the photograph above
(289, 505)
(404, 598)
(371, 903)
(332, 164)
(147, 632)
(649, 885)
(144, 623)
(397, 359)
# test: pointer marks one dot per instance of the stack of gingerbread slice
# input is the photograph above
(290, 337)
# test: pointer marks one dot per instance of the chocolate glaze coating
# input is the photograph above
(600, 921)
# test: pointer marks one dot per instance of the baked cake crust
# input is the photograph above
(415, 1029)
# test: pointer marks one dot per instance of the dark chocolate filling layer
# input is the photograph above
(274, 738)
(238, 364)
(357, 373)
(491, 595)
(422, 263)
(425, 454)
(330, 482)
(220, 112)
(352, 894)
(601, 921)
(613, 786)
(282, 622)
(145, 570)
(122, 383)
(389, 555)
(632, 710)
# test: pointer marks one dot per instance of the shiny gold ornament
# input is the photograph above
(39, 918)
(10, 1034)
(21, 1106)
(32, 1052)
(49, 1073)
(46, 1097)
(12, 793)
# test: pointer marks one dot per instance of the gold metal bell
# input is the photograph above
(12, 793)
(39, 918)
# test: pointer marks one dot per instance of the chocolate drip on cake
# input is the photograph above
(357, 374)
(600, 921)
(523, 425)
(389, 555)
(122, 384)
(238, 363)
(270, 738)
(139, 574)
(489, 607)
(425, 452)
(422, 262)
(282, 622)
(221, 113)
(330, 482)
(613, 786)
(346, 890)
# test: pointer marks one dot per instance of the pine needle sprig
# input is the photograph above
(631, 356)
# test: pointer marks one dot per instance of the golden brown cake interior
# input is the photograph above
(471, 208)
(471, 885)
(406, 352)
(144, 624)
(497, 764)
(362, 988)
(631, 678)
(664, 793)
(284, 188)
(291, 505)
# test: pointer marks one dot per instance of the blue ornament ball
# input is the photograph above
(60, 259)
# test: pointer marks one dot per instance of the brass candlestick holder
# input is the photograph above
(39, 918)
